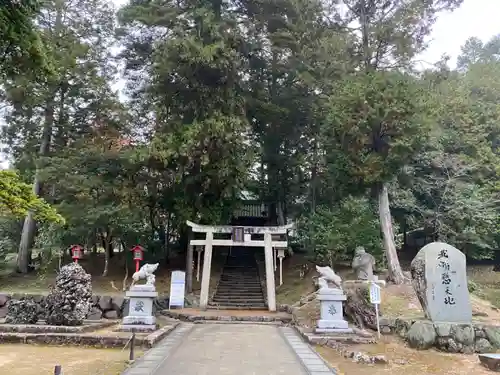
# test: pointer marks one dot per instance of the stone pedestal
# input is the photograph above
(332, 314)
(140, 314)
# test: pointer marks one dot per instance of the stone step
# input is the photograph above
(240, 276)
(239, 292)
(230, 301)
(240, 283)
(220, 299)
(220, 307)
(237, 298)
(239, 287)
(239, 307)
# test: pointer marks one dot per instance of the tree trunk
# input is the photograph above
(189, 263)
(357, 307)
(496, 267)
(108, 249)
(124, 283)
(29, 227)
(395, 272)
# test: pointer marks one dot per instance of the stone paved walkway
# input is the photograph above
(231, 349)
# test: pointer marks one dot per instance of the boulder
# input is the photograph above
(464, 334)
(70, 300)
(117, 304)
(3, 311)
(482, 346)
(111, 314)
(3, 300)
(24, 311)
(95, 314)
(421, 335)
(493, 335)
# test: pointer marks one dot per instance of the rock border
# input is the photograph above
(87, 326)
(477, 337)
(88, 340)
(340, 343)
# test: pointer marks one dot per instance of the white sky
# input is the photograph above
(477, 18)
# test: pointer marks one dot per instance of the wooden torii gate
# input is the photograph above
(244, 238)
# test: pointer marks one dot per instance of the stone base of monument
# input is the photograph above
(332, 314)
(140, 315)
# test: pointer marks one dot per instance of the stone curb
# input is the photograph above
(312, 362)
(230, 318)
(154, 358)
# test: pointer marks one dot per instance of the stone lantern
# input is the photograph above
(138, 255)
(76, 253)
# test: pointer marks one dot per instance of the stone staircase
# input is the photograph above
(239, 286)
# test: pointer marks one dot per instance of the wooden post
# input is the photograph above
(281, 270)
(205, 277)
(132, 345)
(198, 250)
(189, 264)
(271, 289)
(274, 259)
(58, 370)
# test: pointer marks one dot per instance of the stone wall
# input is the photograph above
(106, 307)
(450, 337)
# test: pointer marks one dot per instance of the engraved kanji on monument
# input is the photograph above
(440, 281)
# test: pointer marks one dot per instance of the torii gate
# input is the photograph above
(244, 238)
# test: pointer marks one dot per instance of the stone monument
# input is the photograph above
(140, 315)
(440, 281)
(331, 298)
(70, 300)
(363, 264)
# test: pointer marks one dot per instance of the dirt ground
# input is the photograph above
(405, 360)
(21, 359)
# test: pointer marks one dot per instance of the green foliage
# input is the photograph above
(379, 121)
(332, 233)
(17, 198)
(21, 47)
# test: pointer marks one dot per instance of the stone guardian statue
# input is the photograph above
(145, 272)
(328, 278)
(363, 264)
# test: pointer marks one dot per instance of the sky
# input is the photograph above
(477, 18)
